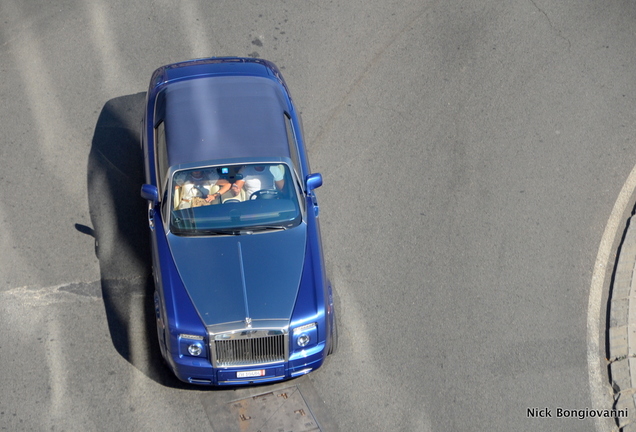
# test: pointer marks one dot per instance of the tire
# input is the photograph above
(333, 345)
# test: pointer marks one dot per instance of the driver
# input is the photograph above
(259, 177)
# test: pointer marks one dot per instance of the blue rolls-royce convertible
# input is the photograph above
(241, 295)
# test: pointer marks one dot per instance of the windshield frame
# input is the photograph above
(297, 197)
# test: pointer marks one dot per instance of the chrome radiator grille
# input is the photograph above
(250, 351)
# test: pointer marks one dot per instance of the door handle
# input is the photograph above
(314, 201)
(151, 216)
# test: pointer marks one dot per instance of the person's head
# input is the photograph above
(197, 174)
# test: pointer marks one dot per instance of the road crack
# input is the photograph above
(551, 24)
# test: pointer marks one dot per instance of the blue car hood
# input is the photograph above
(230, 278)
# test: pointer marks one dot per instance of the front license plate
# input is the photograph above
(249, 374)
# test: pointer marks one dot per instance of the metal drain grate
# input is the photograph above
(283, 410)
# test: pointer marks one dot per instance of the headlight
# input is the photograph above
(305, 335)
(192, 345)
(195, 349)
(303, 340)
(189, 336)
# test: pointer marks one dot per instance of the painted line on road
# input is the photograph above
(599, 389)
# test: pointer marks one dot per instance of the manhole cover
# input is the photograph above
(283, 410)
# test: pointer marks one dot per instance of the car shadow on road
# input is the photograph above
(120, 228)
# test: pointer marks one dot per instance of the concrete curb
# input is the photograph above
(622, 331)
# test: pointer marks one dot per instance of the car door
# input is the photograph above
(157, 232)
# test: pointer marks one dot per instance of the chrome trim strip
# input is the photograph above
(301, 372)
(240, 380)
(247, 309)
(199, 381)
(248, 333)
(257, 324)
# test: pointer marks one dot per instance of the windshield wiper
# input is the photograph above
(227, 231)
(200, 232)
(246, 230)
(267, 227)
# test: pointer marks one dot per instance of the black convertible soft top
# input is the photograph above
(222, 117)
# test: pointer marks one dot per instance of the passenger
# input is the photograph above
(192, 188)
(256, 177)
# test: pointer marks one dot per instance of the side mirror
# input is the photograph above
(313, 181)
(150, 193)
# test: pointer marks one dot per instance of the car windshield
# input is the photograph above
(231, 198)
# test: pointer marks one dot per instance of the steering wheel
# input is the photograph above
(265, 194)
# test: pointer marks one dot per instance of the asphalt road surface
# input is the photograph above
(472, 154)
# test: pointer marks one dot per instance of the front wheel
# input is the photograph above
(161, 334)
(333, 345)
